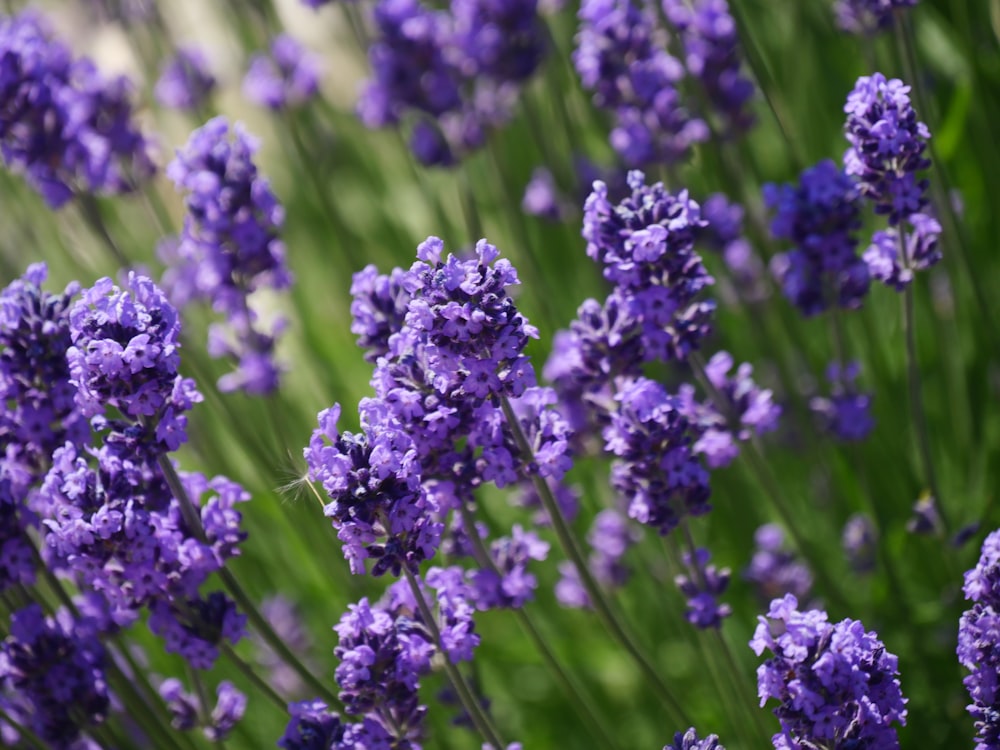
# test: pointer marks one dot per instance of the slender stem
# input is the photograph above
(260, 623)
(754, 456)
(471, 705)
(25, 732)
(917, 414)
(251, 674)
(580, 700)
(601, 605)
(91, 213)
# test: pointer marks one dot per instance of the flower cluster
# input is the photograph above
(896, 253)
(41, 412)
(454, 72)
(724, 235)
(689, 741)
(820, 217)
(774, 571)
(287, 78)
(978, 645)
(229, 247)
(52, 671)
(509, 584)
(656, 470)
(737, 410)
(887, 146)
(846, 413)
(230, 705)
(836, 684)
(868, 16)
(702, 585)
(621, 56)
(610, 536)
(646, 247)
(379, 507)
(185, 82)
(378, 309)
(710, 40)
(63, 125)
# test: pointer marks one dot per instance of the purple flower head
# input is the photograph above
(610, 536)
(689, 741)
(919, 245)
(702, 586)
(655, 469)
(62, 124)
(503, 40)
(382, 657)
(925, 518)
(230, 706)
(379, 508)
(724, 234)
(54, 669)
(646, 247)
(197, 627)
(542, 197)
(835, 684)
(182, 705)
(887, 146)
(514, 586)
(860, 542)
(229, 247)
(868, 16)
(463, 310)
(17, 561)
(748, 410)
(40, 411)
(185, 81)
(378, 309)
(311, 726)
(979, 643)
(287, 78)
(774, 571)
(820, 217)
(125, 357)
(620, 56)
(710, 41)
(846, 413)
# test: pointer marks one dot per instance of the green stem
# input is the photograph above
(601, 605)
(251, 674)
(259, 622)
(91, 213)
(471, 705)
(579, 699)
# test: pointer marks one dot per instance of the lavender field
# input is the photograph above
(512, 374)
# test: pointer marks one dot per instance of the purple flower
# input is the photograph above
(846, 414)
(379, 507)
(182, 705)
(311, 726)
(646, 247)
(41, 413)
(655, 469)
(378, 309)
(514, 585)
(887, 146)
(54, 670)
(620, 56)
(835, 684)
(979, 643)
(62, 124)
(868, 16)
(229, 247)
(920, 251)
(541, 196)
(503, 40)
(745, 406)
(287, 78)
(710, 41)
(195, 628)
(702, 585)
(724, 234)
(689, 741)
(819, 217)
(610, 536)
(185, 81)
(774, 571)
(229, 708)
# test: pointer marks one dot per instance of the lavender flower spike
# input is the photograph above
(287, 78)
(837, 685)
(979, 645)
(185, 82)
(229, 248)
(868, 16)
(689, 741)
